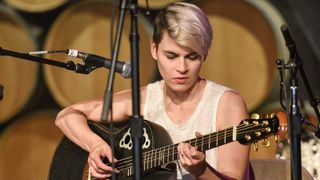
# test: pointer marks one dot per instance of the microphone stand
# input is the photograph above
(294, 113)
(136, 121)
(107, 101)
(295, 117)
(70, 65)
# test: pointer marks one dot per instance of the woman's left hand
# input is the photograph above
(192, 159)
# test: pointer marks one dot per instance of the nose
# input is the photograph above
(182, 66)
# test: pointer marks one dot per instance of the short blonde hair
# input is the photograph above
(185, 23)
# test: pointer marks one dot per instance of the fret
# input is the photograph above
(156, 158)
(129, 172)
(234, 133)
(168, 154)
(202, 143)
(159, 157)
(148, 160)
(225, 136)
(209, 141)
(196, 142)
(144, 161)
(162, 157)
(217, 139)
(173, 152)
(153, 160)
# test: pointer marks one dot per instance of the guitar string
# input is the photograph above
(173, 147)
(126, 163)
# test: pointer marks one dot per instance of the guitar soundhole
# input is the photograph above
(127, 140)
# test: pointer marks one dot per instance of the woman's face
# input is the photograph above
(178, 66)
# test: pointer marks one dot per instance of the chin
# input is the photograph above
(180, 88)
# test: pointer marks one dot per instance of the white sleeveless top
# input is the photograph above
(203, 118)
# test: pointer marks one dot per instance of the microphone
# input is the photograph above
(288, 39)
(124, 68)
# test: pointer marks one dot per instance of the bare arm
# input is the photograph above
(232, 158)
(73, 119)
(73, 122)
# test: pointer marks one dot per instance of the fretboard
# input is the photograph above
(167, 154)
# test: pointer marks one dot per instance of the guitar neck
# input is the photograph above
(247, 132)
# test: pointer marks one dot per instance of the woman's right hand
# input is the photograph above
(97, 167)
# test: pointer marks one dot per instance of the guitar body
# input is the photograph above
(70, 161)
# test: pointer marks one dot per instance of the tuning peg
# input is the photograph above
(255, 146)
(266, 142)
(267, 129)
(276, 138)
(257, 133)
(255, 116)
(245, 122)
(265, 123)
(248, 137)
(272, 115)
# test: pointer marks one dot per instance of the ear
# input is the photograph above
(153, 49)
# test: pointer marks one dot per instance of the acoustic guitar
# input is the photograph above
(159, 154)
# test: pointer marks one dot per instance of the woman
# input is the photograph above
(185, 104)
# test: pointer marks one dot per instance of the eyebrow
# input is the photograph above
(190, 54)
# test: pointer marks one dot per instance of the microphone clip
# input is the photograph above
(79, 68)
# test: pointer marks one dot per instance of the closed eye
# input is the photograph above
(193, 56)
(170, 55)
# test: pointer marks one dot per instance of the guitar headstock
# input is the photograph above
(258, 127)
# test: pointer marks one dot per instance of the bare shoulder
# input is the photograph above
(231, 110)
(126, 95)
(231, 98)
(123, 100)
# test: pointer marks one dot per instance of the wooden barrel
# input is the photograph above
(35, 6)
(18, 76)
(156, 4)
(246, 42)
(28, 145)
(86, 26)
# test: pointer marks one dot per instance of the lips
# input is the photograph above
(181, 80)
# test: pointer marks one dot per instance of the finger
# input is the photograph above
(102, 166)
(185, 154)
(198, 134)
(96, 174)
(180, 150)
(195, 154)
(92, 164)
(187, 150)
(96, 162)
